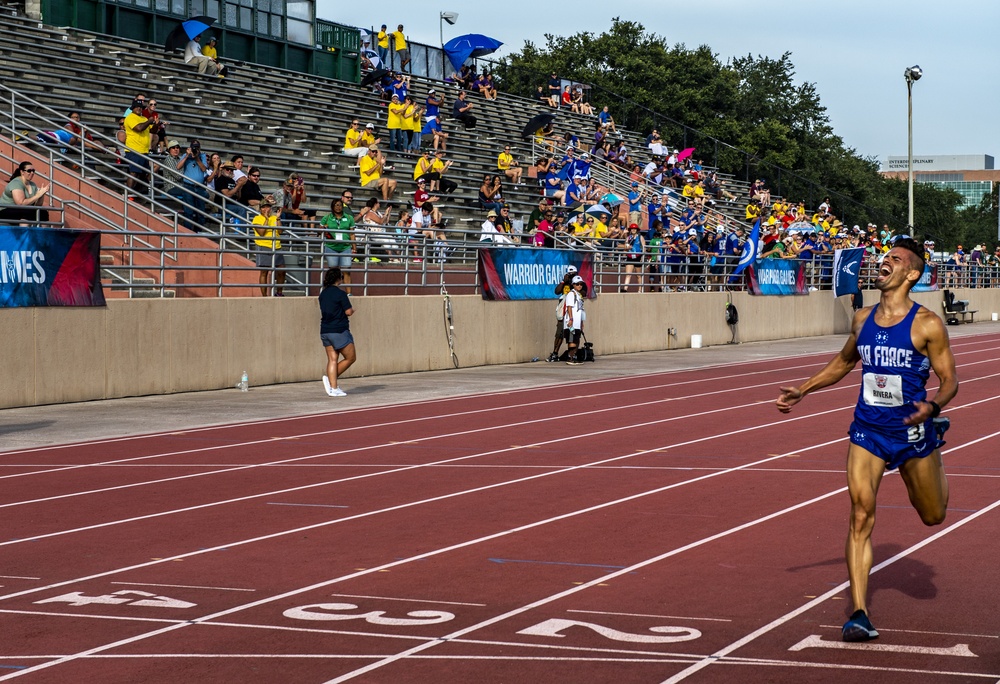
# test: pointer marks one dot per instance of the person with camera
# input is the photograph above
(137, 143)
(229, 188)
(289, 199)
(193, 164)
(371, 167)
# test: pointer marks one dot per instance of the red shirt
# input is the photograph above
(420, 196)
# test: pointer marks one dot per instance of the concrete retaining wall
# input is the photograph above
(137, 347)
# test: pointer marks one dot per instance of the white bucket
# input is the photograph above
(996, 317)
(696, 341)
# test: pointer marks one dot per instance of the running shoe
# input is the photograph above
(552, 357)
(859, 628)
(327, 386)
(337, 392)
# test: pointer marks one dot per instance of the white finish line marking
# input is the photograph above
(665, 617)
(393, 598)
(180, 586)
(816, 641)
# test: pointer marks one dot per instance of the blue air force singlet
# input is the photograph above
(894, 373)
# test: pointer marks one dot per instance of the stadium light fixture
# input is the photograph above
(451, 18)
(911, 74)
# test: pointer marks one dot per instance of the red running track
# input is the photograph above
(658, 528)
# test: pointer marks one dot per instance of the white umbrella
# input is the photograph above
(802, 227)
(599, 209)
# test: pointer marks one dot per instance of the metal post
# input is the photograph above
(909, 151)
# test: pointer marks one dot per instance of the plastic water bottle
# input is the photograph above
(244, 383)
(534, 359)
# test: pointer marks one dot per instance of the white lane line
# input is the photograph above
(51, 613)
(816, 641)
(959, 635)
(465, 397)
(18, 577)
(412, 600)
(440, 551)
(181, 586)
(665, 617)
(305, 505)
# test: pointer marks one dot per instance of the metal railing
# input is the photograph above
(393, 260)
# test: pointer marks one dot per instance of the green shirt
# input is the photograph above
(338, 237)
(7, 198)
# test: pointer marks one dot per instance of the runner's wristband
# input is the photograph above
(936, 411)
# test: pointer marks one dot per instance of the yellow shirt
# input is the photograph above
(353, 139)
(600, 229)
(408, 118)
(367, 138)
(383, 39)
(210, 52)
(505, 161)
(400, 40)
(395, 118)
(437, 166)
(421, 167)
(688, 190)
(753, 211)
(137, 141)
(270, 231)
(369, 169)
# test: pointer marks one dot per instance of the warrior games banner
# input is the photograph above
(777, 277)
(49, 267)
(519, 273)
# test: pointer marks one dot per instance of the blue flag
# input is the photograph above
(749, 249)
(846, 270)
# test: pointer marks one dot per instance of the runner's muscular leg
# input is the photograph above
(927, 486)
(864, 474)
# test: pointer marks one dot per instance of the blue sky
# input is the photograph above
(855, 52)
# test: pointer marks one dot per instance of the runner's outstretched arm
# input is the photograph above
(839, 366)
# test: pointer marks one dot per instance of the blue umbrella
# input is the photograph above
(187, 30)
(470, 45)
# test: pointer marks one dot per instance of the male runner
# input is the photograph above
(898, 342)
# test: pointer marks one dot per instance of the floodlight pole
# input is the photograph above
(911, 74)
(451, 18)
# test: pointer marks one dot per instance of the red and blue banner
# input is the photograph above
(49, 267)
(526, 273)
(928, 281)
(777, 277)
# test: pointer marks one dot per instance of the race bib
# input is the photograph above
(883, 390)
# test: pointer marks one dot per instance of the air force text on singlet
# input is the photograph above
(886, 357)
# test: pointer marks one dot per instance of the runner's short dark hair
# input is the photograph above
(913, 246)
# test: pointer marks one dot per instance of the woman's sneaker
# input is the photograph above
(859, 628)
(327, 386)
(337, 392)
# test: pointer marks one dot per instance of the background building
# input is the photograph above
(970, 175)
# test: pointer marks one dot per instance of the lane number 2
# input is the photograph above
(555, 628)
